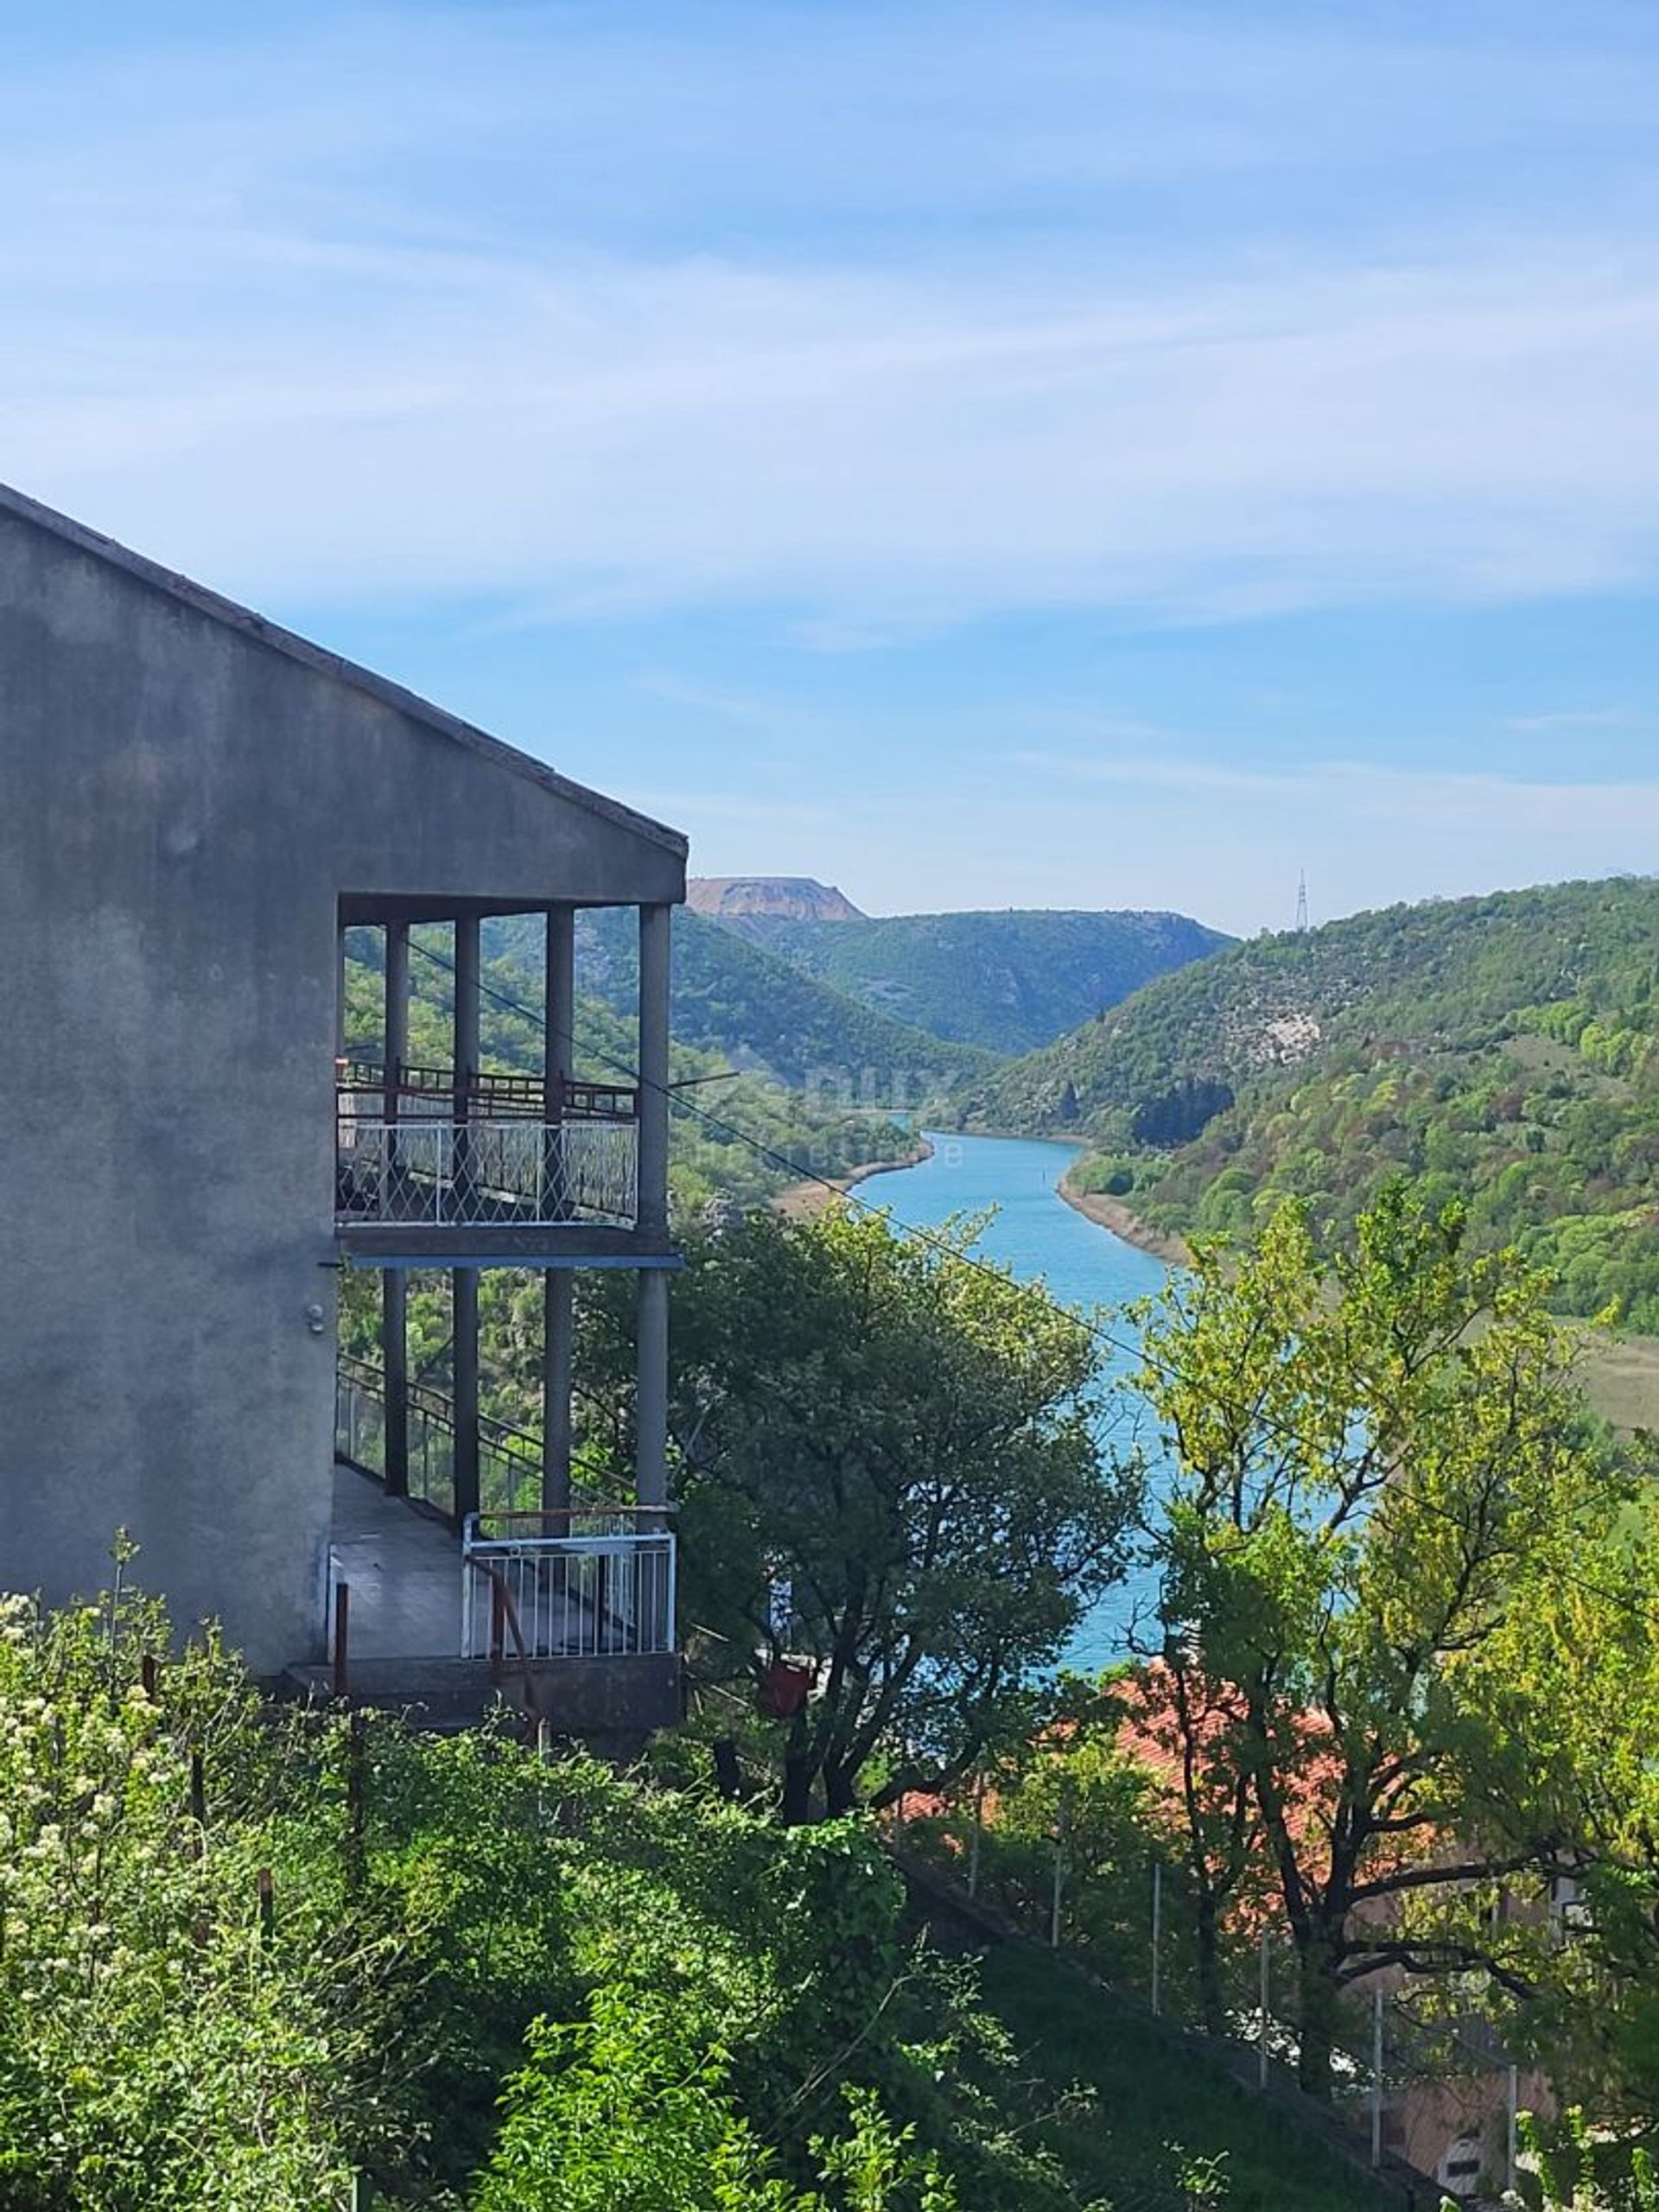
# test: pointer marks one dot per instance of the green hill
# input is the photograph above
(1504, 1051)
(1006, 983)
(736, 999)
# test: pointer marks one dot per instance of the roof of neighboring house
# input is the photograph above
(317, 658)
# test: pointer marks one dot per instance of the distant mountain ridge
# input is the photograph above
(794, 898)
(735, 998)
(1005, 982)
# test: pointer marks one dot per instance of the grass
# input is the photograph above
(1621, 1379)
(1149, 2095)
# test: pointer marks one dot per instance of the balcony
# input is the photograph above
(567, 1615)
(425, 1165)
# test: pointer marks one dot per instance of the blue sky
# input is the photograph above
(981, 455)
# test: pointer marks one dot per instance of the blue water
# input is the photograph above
(1040, 1239)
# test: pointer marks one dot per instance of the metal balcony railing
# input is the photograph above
(509, 1458)
(411, 1091)
(586, 1583)
(419, 1146)
(507, 1170)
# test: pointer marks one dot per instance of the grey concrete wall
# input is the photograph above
(181, 806)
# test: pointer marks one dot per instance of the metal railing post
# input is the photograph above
(342, 1635)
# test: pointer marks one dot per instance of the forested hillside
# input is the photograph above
(1005, 982)
(758, 1012)
(1501, 1049)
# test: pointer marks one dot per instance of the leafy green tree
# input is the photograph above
(1379, 1463)
(890, 1472)
(623, 2113)
(196, 2001)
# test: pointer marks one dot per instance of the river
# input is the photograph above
(1040, 1239)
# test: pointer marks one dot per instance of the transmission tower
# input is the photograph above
(1301, 905)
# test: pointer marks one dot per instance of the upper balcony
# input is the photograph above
(498, 1168)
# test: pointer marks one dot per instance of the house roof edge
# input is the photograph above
(243, 619)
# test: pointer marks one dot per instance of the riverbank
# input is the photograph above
(1620, 1374)
(1112, 1213)
(802, 1200)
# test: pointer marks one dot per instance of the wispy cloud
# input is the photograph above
(245, 328)
(703, 698)
(1362, 791)
(1579, 718)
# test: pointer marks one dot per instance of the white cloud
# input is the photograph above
(1423, 799)
(240, 333)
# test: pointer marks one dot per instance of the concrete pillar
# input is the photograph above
(651, 1401)
(394, 1283)
(654, 948)
(558, 1284)
(464, 1280)
(559, 995)
(339, 991)
(467, 1004)
(394, 1365)
(464, 1283)
(396, 1020)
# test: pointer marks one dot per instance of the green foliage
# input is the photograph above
(903, 1439)
(1007, 981)
(1576, 2173)
(1381, 1469)
(742, 2021)
(623, 2113)
(1504, 1051)
(162, 2043)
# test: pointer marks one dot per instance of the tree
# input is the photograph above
(1379, 1462)
(889, 1471)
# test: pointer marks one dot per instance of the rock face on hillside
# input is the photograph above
(791, 898)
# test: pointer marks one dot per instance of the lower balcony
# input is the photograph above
(567, 1618)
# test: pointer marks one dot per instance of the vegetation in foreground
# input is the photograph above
(1401, 1675)
(249, 1956)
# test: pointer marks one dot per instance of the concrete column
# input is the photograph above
(464, 1280)
(651, 1399)
(654, 948)
(466, 970)
(560, 999)
(394, 1283)
(396, 1020)
(558, 1284)
(465, 1359)
(339, 991)
(394, 1362)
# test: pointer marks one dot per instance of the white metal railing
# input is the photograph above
(507, 1169)
(584, 1584)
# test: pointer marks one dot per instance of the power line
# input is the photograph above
(1129, 1348)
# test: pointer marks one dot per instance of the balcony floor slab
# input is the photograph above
(567, 1244)
(403, 1570)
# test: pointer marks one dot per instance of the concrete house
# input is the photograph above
(195, 808)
